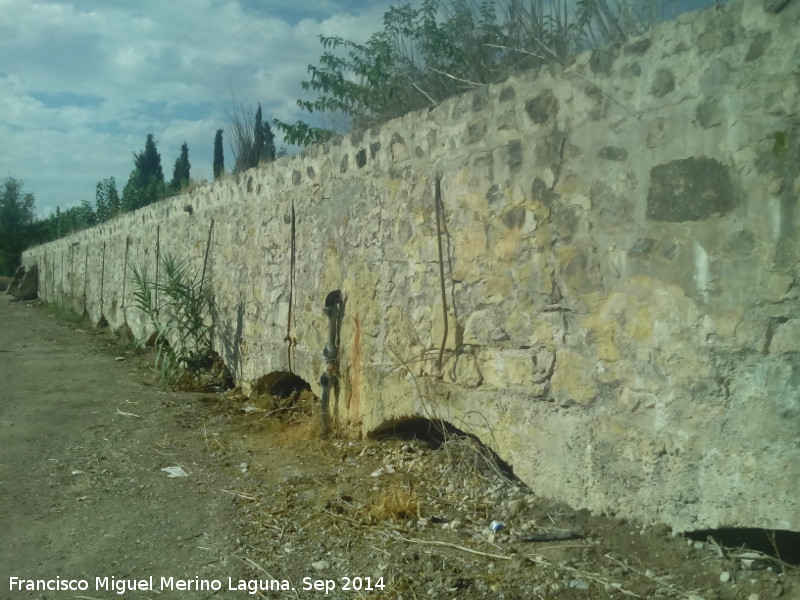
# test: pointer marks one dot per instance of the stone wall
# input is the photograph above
(620, 258)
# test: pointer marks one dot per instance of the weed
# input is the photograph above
(396, 502)
(182, 318)
(64, 314)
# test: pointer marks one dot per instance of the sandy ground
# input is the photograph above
(82, 493)
(85, 434)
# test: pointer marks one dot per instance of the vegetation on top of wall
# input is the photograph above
(440, 48)
(219, 155)
(20, 229)
(250, 137)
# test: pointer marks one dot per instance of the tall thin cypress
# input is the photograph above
(258, 139)
(219, 156)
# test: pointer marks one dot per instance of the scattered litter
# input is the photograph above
(321, 565)
(249, 409)
(497, 526)
(382, 471)
(77, 472)
(175, 472)
(120, 358)
(127, 414)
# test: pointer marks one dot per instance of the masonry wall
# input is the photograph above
(620, 256)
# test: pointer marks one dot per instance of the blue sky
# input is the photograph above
(82, 82)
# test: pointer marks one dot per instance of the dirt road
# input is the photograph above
(83, 440)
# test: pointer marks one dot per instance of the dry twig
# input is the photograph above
(238, 494)
(397, 536)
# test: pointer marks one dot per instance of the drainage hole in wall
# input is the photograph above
(464, 450)
(283, 395)
(777, 543)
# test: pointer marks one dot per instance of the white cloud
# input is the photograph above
(82, 83)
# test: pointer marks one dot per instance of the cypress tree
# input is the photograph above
(258, 139)
(219, 156)
(146, 182)
(180, 174)
(148, 162)
(268, 152)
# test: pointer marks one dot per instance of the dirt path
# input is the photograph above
(268, 510)
(83, 441)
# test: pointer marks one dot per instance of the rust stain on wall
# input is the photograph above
(354, 404)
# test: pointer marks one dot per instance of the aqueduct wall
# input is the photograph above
(620, 258)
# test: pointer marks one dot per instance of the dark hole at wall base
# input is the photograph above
(280, 384)
(284, 396)
(436, 433)
(778, 543)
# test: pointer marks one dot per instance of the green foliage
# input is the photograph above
(302, 134)
(16, 218)
(179, 307)
(219, 156)
(141, 191)
(439, 48)
(258, 138)
(61, 223)
(251, 139)
(64, 314)
(148, 161)
(146, 181)
(267, 151)
(107, 200)
(180, 173)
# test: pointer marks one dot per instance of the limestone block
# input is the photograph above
(572, 381)
(484, 328)
(786, 337)
(466, 371)
(510, 368)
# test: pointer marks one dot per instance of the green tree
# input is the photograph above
(264, 146)
(439, 48)
(16, 216)
(219, 155)
(180, 173)
(75, 218)
(258, 139)
(268, 150)
(107, 201)
(58, 223)
(146, 182)
(148, 161)
(140, 191)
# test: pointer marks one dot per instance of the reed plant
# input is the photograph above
(179, 306)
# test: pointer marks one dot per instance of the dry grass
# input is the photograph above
(398, 501)
(469, 459)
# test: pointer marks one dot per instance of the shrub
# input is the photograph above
(179, 308)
